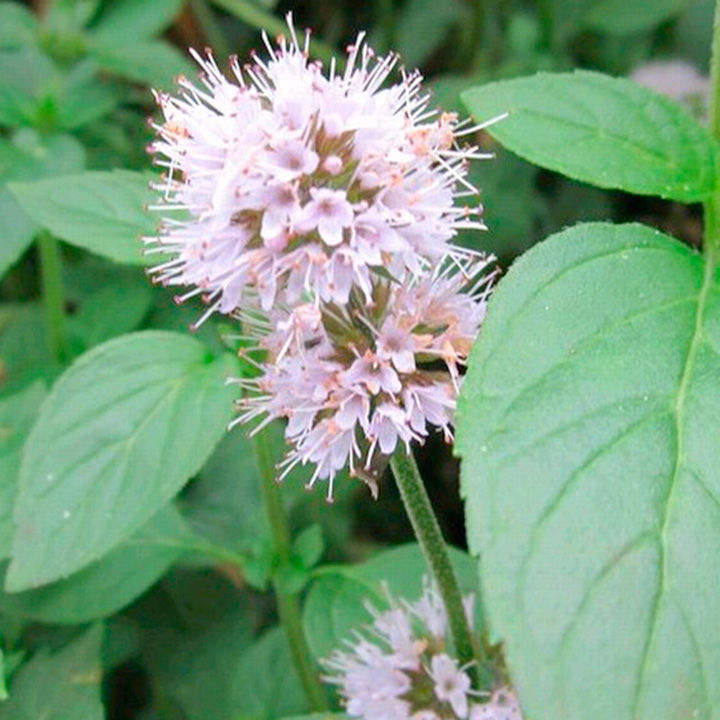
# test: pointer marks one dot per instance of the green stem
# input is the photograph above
(52, 291)
(288, 604)
(715, 76)
(429, 536)
(210, 28)
(711, 244)
(253, 15)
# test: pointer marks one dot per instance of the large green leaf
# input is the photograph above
(121, 432)
(112, 582)
(591, 472)
(28, 156)
(336, 604)
(101, 211)
(59, 686)
(17, 415)
(604, 131)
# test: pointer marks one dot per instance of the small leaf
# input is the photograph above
(308, 546)
(18, 26)
(17, 415)
(335, 605)
(587, 425)
(619, 17)
(422, 27)
(605, 131)
(59, 686)
(154, 63)
(125, 22)
(30, 156)
(111, 583)
(103, 212)
(121, 432)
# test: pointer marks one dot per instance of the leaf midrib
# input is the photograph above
(678, 407)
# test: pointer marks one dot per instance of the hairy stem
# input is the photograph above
(429, 536)
(288, 604)
(711, 238)
(52, 291)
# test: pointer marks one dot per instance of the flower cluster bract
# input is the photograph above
(318, 210)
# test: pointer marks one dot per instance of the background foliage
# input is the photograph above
(136, 555)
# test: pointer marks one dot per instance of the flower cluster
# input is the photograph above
(295, 182)
(318, 210)
(355, 380)
(399, 668)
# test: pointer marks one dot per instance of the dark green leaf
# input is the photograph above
(125, 22)
(605, 131)
(3, 686)
(121, 432)
(154, 63)
(85, 97)
(59, 686)
(69, 16)
(620, 17)
(17, 415)
(590, 471)
(197, 670)
(101, 211)
(112, 582)
(24, 354)
(335, 606)
(28, 156)
(422, 26)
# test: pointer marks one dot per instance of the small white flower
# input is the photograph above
(451, 683)
(397, 667)
(502, 705)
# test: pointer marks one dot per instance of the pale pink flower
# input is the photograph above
(356, 381)
(299, 181)
(387, 669)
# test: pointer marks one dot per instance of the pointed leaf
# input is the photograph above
(587, 427)
(123, 429)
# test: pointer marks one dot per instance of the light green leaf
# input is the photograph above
(111, 583)
(591, 475)
(59, 686)
(125, 22)
(85, 97)
(27, 90)
(70, 16)
(122, 431)
(154, 63)
(18, 26)
(103, 212)
(17, 415)
(604, 131)
(29, 156)
(335, 605)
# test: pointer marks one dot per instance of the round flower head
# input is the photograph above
(294, 180)
(354, 381)
(400, 668)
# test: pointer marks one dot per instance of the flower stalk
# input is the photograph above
(288, 604)
(429, 536)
